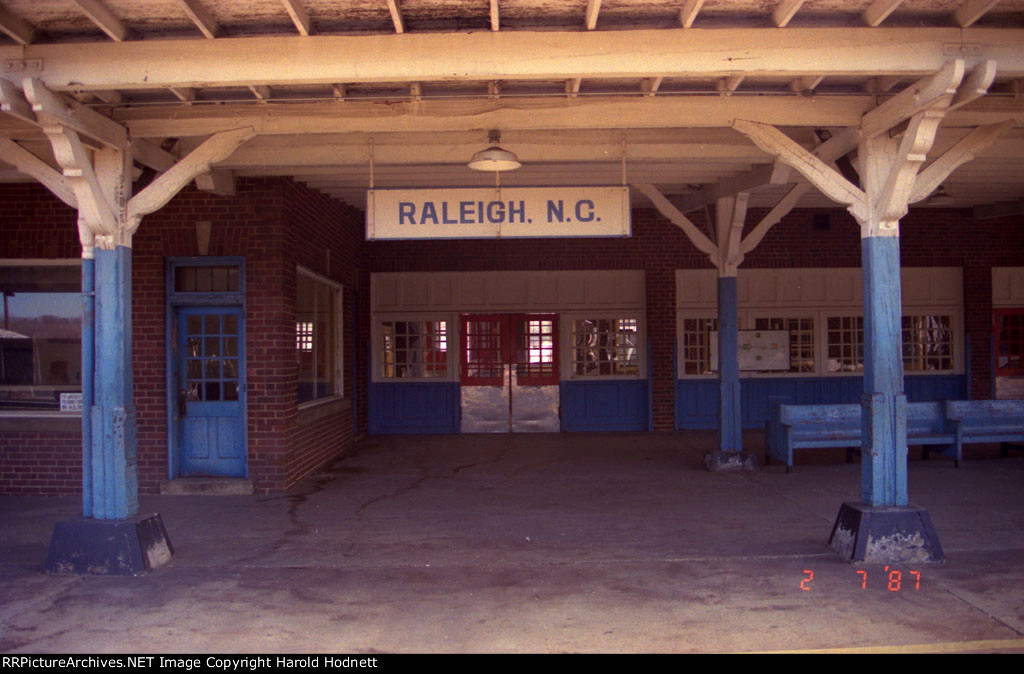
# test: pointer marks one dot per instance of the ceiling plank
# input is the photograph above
(593, 9)
(396, 16)
(495, 18)
(785, 11)
(108, 22)
(879, 11)
(202, 18)
(688, 14)
(972, 10)
(287, 60)
(15, 27)
(300, 17)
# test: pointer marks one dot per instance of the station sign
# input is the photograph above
(498, 212)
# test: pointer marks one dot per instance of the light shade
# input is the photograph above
(494, 158)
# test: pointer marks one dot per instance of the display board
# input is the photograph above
(759, 350)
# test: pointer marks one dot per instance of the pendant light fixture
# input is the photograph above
(494, 158)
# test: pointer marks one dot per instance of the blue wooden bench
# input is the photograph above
(974, 421)
(792, 427)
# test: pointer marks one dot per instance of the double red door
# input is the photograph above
(509, 373)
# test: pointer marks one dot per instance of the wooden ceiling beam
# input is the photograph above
(495, 16)
(972, 10)
(785, 11)
(512, 55)
(688, 14)
(300, 17)
(201, 17)
(432, 115)
(879, 11)
(396, 16)
(15, 27)
(107, 21)
(593, 9)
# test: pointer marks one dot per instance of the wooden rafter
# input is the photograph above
(785, 11)
(650, 85)
(972, 10)
(300, 17)
(802, 84)
(688, 14)
(495, 16)
(201, 17)
(879, 11)
(727, 85)
(15, 27)
(184, 94)
(396, 16)
(593, 9)
(107, 21)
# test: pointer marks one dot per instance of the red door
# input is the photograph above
(509, 373)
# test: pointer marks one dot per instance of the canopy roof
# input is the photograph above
(574, 85)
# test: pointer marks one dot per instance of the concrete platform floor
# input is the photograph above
(536, 543)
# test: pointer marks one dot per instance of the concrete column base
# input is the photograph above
(718, 461)
(127, 547)
(885, 535)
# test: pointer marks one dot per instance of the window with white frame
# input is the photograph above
(318, 341)
(695, 352)
(801, 339)
(604, 347)
(927, 343)
(413, 349)
(844, 344)
(40, 334)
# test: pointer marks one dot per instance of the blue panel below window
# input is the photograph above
(697, 399)
(414, 407)
(619, 405)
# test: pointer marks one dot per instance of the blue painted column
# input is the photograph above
(884, 413)
(730, 428)
(112, 481)
(88, 372)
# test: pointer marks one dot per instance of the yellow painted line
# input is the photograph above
(941, 647)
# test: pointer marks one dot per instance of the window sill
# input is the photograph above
(319, 409)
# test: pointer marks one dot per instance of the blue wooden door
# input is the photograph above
(211, 391)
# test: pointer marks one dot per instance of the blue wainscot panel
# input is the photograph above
(414, 407)
(604, 405)
(697, 399)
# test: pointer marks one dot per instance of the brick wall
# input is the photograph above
(276, 225)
